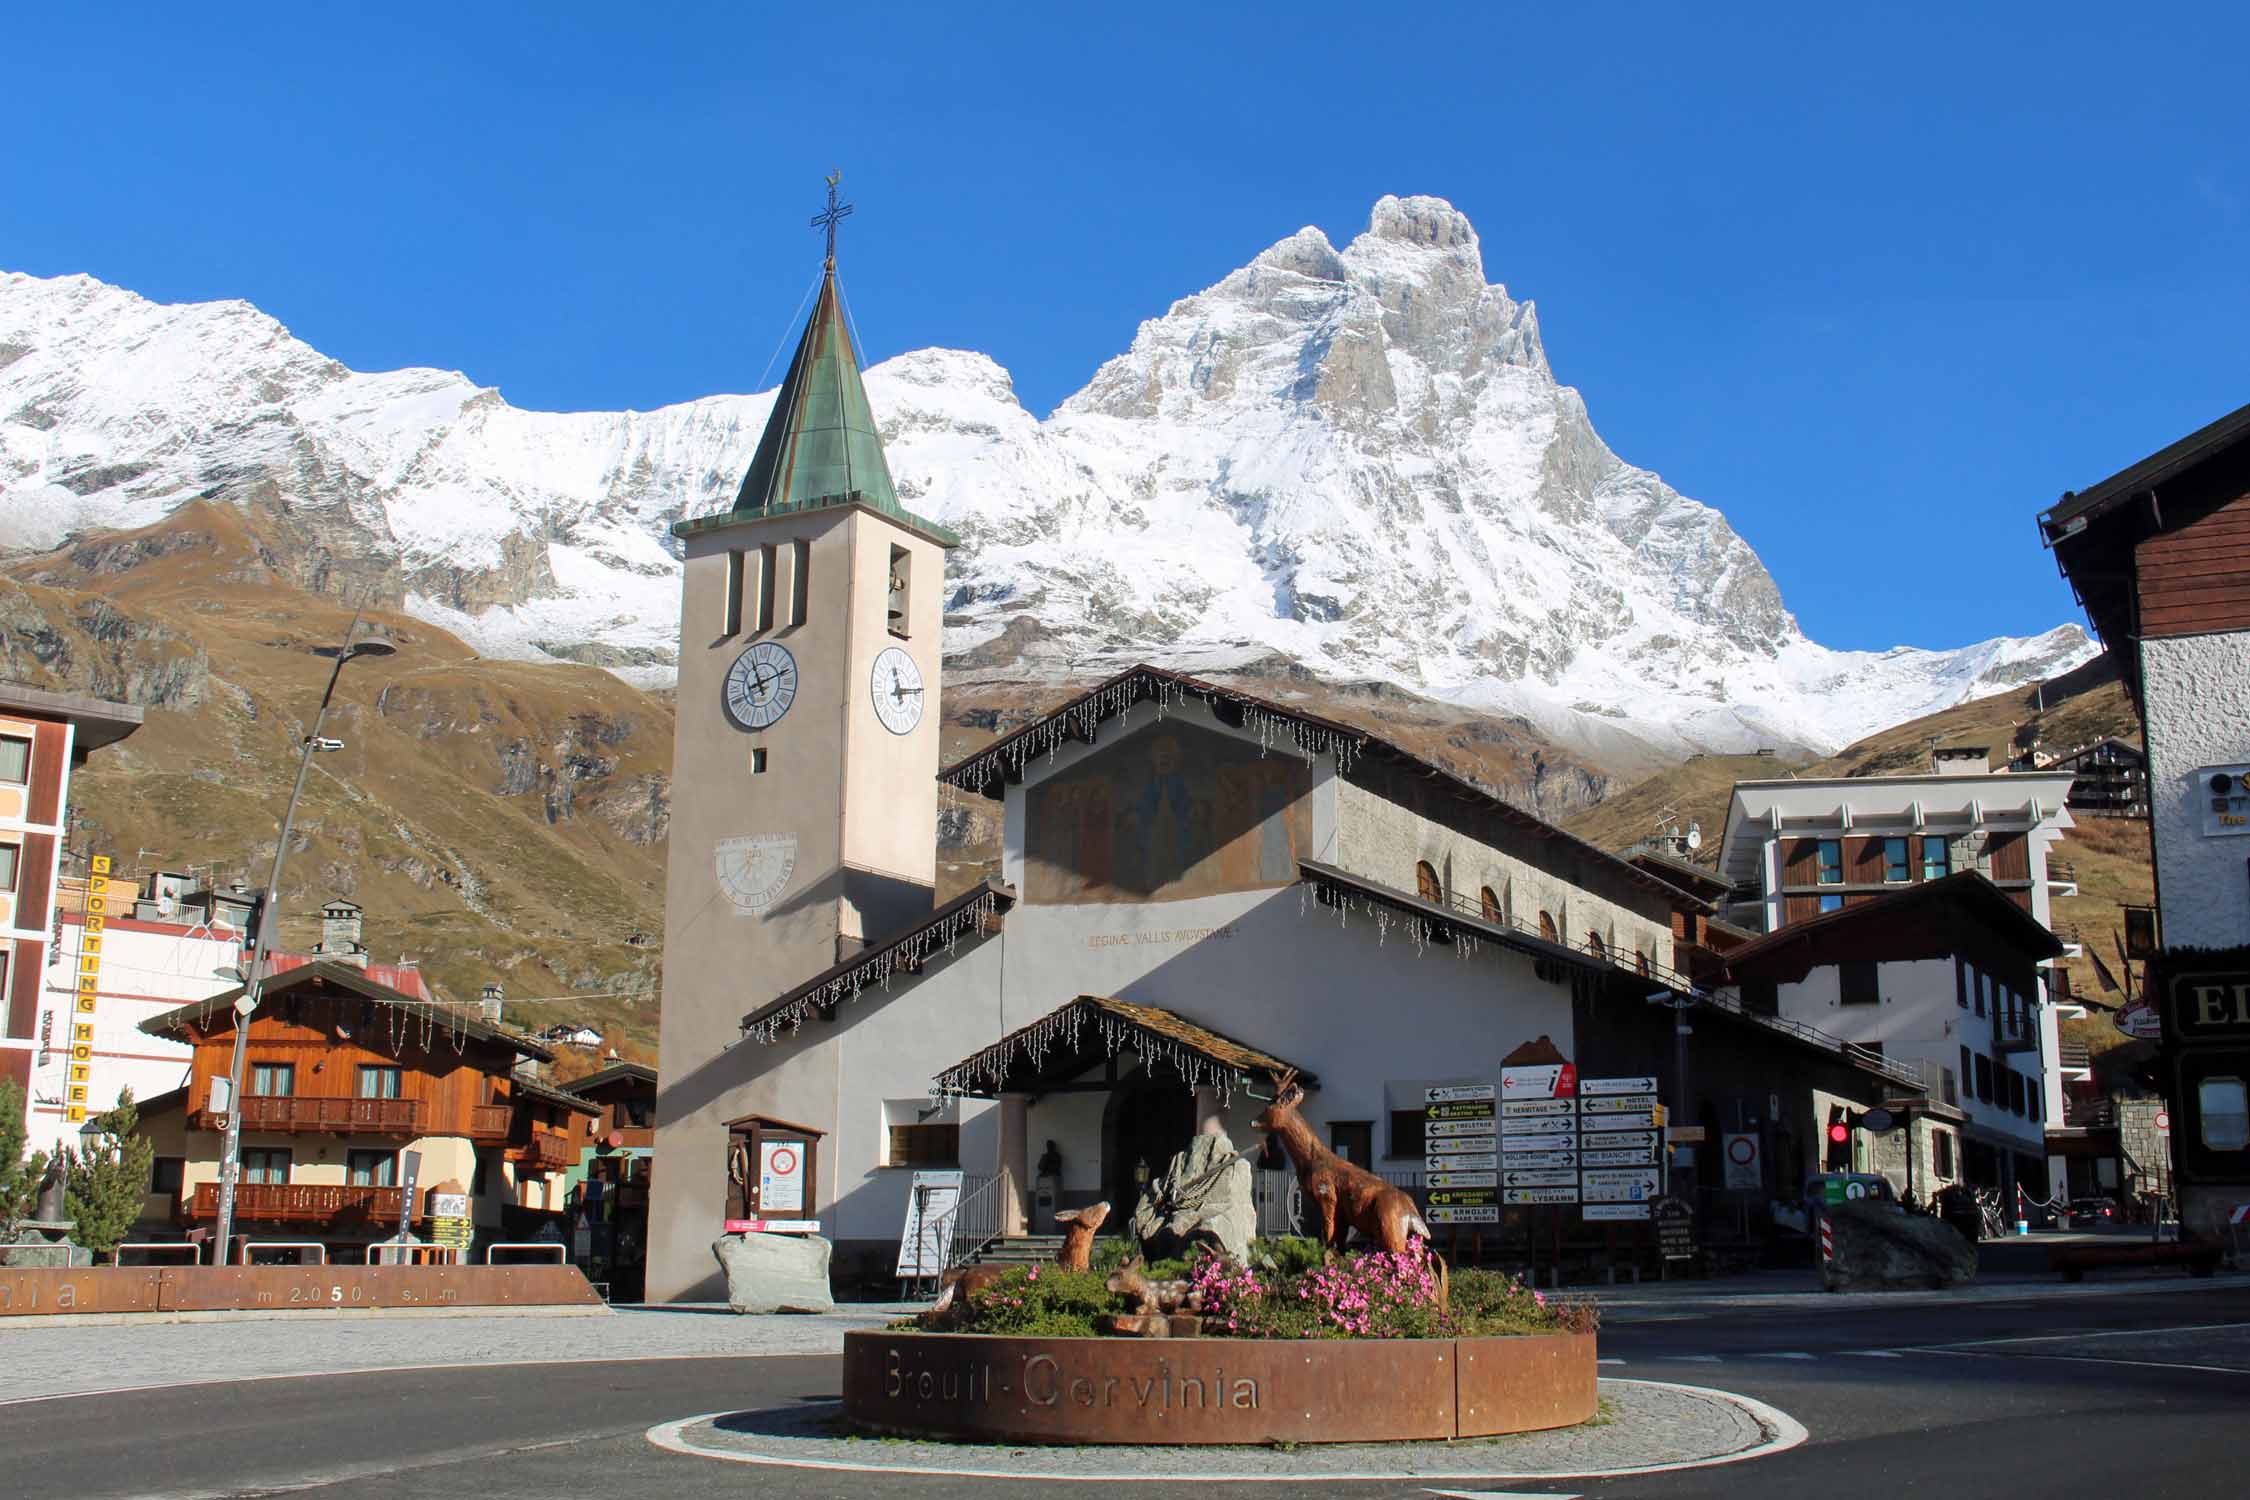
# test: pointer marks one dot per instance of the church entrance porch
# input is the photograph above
(1107, 1092)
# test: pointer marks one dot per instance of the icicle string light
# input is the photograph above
(986, 1073)
(908, 955)
(1083, 719)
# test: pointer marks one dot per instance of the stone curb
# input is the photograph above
(302, 1315)
(1651, 1427)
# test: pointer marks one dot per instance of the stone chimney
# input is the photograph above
(1961, 760)
(340, 935)
(488, 1004)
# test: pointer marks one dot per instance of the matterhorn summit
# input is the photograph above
(1353, 463)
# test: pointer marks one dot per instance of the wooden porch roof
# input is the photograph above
(1065, 1043)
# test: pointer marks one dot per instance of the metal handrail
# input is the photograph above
(562, 1257)
(194, 1250)
(976, 1217)
(1910, 1076)
(247, 1245)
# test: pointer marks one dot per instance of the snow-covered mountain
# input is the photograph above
(1357, 462)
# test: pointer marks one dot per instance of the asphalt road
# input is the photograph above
(2144, 1397)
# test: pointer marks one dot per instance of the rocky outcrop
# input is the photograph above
(1881, 1247)
(775, 1273)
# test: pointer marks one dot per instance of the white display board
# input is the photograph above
(925, 1243)
(781, 1177)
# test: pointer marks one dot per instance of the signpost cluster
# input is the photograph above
(1543, 1137)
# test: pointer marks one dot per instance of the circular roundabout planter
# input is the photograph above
(978, 1387)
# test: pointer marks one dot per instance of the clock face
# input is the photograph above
(761, 685)
(896, 686)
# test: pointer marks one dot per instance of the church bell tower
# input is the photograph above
(804, 770)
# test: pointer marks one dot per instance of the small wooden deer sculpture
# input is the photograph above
(1346, 1197)
(1078, 1226)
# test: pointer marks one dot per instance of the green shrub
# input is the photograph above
(1041, 1302)
(1287, 1255)
(1491, 1303)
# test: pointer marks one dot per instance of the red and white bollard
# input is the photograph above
(1827, 1242)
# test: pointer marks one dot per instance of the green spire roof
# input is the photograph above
(820, 446)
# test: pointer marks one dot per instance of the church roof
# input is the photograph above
(988, 771)
(820, 447)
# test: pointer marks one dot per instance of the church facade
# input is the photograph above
(1197, 885)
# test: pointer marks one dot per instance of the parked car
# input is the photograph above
(2090, 1213)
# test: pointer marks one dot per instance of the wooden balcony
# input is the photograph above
(292, 1114)
(300, 1202)
(544, 1151)
(490, 1122)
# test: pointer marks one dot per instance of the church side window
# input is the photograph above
(769, 561)
(1547, 927)
(900, 591)
(800, 580)
(1489, 905)
(1426, 883)
(919, 1133)
(730, 617)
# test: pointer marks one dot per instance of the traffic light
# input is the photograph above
(1839, 1139)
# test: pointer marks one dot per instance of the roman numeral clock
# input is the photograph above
(761, 685)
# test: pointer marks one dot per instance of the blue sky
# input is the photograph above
(1878, 287)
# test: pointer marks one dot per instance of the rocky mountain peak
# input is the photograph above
(1357, 462)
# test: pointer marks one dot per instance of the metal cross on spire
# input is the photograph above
(829, 217)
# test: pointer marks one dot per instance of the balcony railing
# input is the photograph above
(2089, 1114)
(301, 1202)
(489, 1122)
(279, 1112)
(544, 1151)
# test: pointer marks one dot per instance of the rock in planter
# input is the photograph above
(769, 1273)
(1881, 1247)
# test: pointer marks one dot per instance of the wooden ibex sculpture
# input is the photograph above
(1346, 1197)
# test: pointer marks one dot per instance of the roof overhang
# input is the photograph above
(973, 914)
(1068, 1042)
(453, 1020)
(94, 722)
(1760, 810)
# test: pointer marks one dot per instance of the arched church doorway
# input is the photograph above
(1146, 1122)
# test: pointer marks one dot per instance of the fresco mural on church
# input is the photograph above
(1168, 812)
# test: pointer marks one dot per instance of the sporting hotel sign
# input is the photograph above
(80, 1075)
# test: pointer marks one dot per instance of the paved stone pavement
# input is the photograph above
(58, 1361)
(1642, 1424)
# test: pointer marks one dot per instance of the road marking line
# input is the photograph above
(182, 1383)
(1500, 1495)
(1791, 1355)
(2091, 1359)
(1783, 1432)
(1609, 1361)
(2111, 1333)
(1874, 1353)
(1702, 1359)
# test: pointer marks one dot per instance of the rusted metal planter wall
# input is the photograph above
(151, 1289)
(1116, 1390)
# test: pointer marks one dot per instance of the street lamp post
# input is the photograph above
(230, 1159)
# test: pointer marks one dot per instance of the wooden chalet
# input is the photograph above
(344, 1075)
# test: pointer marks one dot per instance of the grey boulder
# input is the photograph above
(1881, 1247)
(775, 1273)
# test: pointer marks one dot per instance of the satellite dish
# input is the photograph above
(1695, 835)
